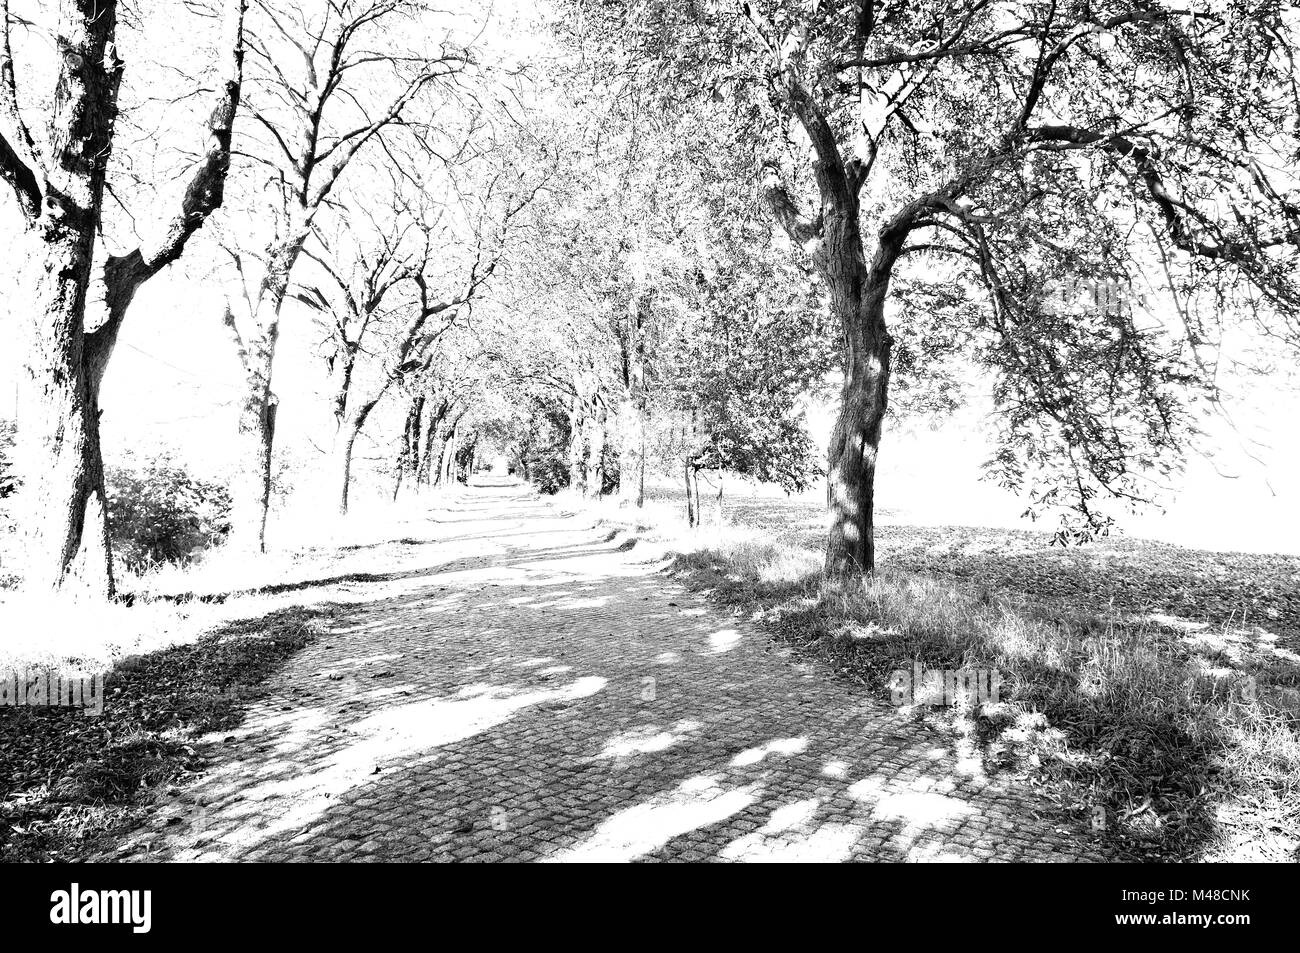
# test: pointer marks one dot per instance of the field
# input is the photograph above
(1249, 596)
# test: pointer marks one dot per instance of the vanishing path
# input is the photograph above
(548, 697)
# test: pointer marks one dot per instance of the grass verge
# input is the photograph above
(1170, 747)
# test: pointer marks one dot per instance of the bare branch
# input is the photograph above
(204, 192)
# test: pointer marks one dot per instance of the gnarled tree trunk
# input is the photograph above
(858, 300)
(63, 509)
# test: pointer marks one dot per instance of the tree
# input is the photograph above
(59, 184)
(752, 350)
(365, 269)
(327, 81)
(954, 131)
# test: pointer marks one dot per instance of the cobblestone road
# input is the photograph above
(546, 696)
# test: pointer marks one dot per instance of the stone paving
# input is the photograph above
(547, 696)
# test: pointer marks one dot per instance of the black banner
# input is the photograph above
(144, 903)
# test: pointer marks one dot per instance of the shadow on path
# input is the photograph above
(559, 702)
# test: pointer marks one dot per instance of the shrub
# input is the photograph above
(548, 470)
(542, 446)
(159, 513)
(8, 479)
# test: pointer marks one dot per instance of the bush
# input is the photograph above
(548, 471)
(159, 513)
(8, 479)
(542, 446)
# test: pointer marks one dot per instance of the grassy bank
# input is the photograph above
(70, 782)
(1179, 740)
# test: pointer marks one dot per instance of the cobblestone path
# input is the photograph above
(546, 696)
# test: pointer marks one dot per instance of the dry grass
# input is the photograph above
(1191, 752)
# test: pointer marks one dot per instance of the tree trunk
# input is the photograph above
(347, 440)
(857, 299)
(444, 443)
(855, 440)
(634, 410)
(465, 471)
(63, 509)
(692, 505)
(695, 494)
(594, 464)
(433, 435)
(413, 460)
(632, 417)
(250, 495)
(577, 446)
(448, 466)
(407, 449)
(251, 492)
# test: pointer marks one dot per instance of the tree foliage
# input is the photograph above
(1010, 147)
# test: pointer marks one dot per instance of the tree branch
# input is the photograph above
(19, 164)
(204, 192)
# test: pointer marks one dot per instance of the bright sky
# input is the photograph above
(1225, 500)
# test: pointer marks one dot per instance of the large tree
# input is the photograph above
(1012, 144)
(58, 170)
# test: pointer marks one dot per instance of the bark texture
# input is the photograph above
(62, 505)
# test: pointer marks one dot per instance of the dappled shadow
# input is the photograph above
(68, 781)
(563, 703)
